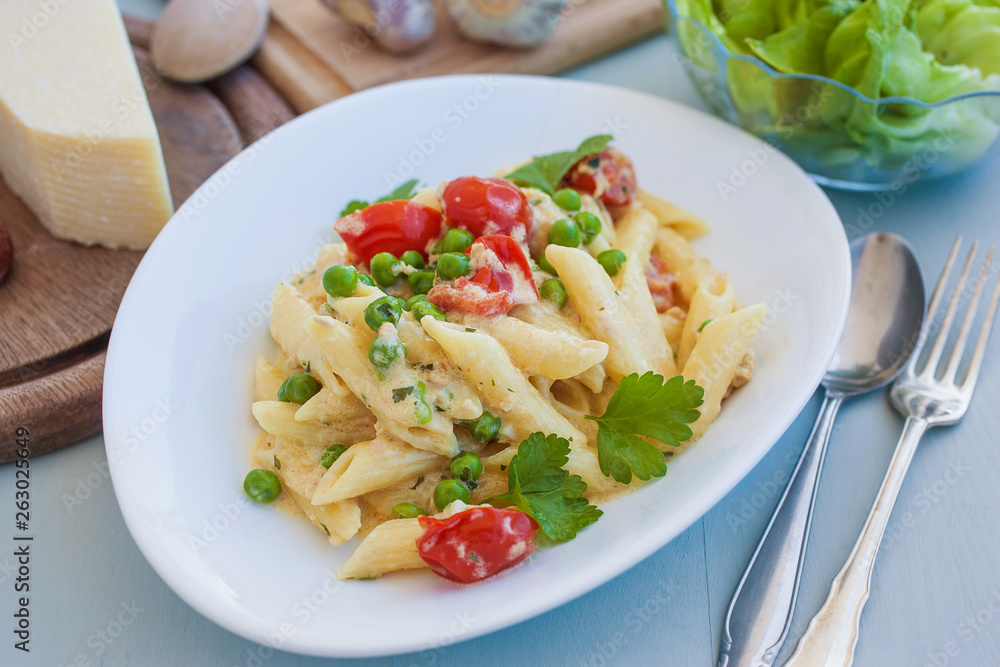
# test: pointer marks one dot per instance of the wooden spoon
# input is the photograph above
(198, 40)
(6, 253)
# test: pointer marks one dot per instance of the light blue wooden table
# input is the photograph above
(936, 593)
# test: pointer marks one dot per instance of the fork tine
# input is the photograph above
(932, 308)
(969, 384)
(930, 370)
(970, 315)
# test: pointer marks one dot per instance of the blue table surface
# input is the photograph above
(936, 587)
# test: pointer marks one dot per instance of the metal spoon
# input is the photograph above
(883, 325)
(198, 40)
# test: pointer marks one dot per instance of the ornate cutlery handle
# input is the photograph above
(832, 634)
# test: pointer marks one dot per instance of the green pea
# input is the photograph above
(381, 310)
(385, 268)
(611, 260)
(412, 258)
(553, 290)
(366, 279)
(422, 309)
(422, 411)
(383, 353)
(438, 247)
(421, 282)
(544, 265)
(457, 240)
(448, 491)
(298, 388)
(414, 300)
(467, 467)
(589, 224)
(452, 265)
(263, 486)
(485, 428)
(567, 199)
(564, 232)
(407, 511)
(331, 454)
(340, 280)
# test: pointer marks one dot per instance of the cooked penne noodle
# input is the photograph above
(638, 302)
(681, 260)
(636, 234)
(278, 419)
(373, 465)
(543, 352)
(672, 323)
(298, 469)
(327, 407)
(712, 299)
(683, 222)
(343, 342)
(389, 547)
(289, 312)
(503, 387)
(716, 356)
(593, 296)
(267, 380)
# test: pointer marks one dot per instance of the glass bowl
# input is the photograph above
(842, 138)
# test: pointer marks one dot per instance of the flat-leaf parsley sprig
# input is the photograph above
(546, 171)
(540, 487)
(645, 406)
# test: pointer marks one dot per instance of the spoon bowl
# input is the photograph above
(884, 320)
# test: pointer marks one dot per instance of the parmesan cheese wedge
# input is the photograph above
(77, 139)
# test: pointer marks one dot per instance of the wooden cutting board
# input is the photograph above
(313, 56)
(60, 299)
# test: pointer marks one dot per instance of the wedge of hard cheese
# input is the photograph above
(77, 139)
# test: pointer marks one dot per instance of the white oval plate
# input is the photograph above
(178, 383)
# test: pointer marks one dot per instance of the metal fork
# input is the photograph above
(927, 398)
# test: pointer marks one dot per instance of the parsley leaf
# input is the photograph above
(705, 324)
(645, 406)
(401, 393)
(404, 191)
(546, 171)
(539, 486)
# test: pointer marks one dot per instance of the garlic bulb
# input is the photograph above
(398, 26)
(517, 23)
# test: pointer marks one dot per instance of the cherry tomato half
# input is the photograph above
(609, 173)
(476, 543)
(392, 226)
(491, 289)
(486, 206)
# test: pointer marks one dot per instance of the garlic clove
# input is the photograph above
(516, 23)
(397, 26)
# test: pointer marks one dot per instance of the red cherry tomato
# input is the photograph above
(661, 284)
(392, 226)
(476, 543)
(486, 206)
(491, 290)
(609, 173)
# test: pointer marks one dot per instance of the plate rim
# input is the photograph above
(650, 542)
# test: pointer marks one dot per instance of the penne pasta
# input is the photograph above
(683, 222)
(681, 260)
(716, 356)
(638, 302)
(267, 380)
(279, 419)
(391, 546)
(636, 234)
(373, 465)
(593, 296)
(538, 351)
(712, 299)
